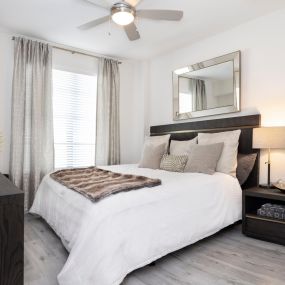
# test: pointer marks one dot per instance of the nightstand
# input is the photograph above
(264, 228)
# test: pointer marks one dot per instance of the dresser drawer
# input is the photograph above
(265, 229)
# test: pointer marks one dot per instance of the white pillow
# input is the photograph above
(182, 147)
(228, 160)
(158, 140)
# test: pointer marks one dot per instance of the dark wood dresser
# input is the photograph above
(11, 233)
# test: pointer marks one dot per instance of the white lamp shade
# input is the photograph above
(269, 137)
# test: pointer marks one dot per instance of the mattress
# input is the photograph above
(110, 238)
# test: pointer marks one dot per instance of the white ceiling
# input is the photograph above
(57, 21)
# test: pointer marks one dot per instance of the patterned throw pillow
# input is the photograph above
(175, 163)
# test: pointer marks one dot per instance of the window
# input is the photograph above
(185, 102)
(74, 107)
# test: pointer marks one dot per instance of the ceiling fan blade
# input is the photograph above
(100, 3)
(133, 2)
(168, 15)
(132, 32)
(94, 23)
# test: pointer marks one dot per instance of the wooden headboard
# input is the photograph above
(189, 130)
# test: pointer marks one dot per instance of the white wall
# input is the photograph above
(262, 45)
(74, 62)
(6, 71)
(134, 89)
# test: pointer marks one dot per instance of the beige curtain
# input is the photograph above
(199, 94)
(32, 149)
(108, 121)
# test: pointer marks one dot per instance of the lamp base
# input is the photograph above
(268, 186)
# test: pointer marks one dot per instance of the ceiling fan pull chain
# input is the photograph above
(109, 32)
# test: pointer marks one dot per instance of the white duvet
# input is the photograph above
(109, 239)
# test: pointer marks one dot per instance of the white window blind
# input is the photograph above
(74, 111)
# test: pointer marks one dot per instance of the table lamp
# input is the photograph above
(268, 138)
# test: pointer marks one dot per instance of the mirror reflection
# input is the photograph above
(207, 88)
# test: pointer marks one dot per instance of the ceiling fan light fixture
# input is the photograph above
(122, 14)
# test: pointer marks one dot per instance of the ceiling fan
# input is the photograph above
(124, 13)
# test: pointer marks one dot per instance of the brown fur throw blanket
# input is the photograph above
(96, 184)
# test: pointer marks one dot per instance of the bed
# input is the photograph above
(109, 239)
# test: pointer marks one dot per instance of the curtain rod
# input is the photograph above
(73, 51)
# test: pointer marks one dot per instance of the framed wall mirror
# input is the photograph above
(207, 88)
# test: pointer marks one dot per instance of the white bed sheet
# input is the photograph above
(109, 239)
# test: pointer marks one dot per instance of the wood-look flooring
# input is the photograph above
(225, 258)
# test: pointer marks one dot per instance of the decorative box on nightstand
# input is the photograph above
(255, 226)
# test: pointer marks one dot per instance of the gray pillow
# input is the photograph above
(245, 165)
(151, 156)
(204, 158)
(175, 163)
(228, 160)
